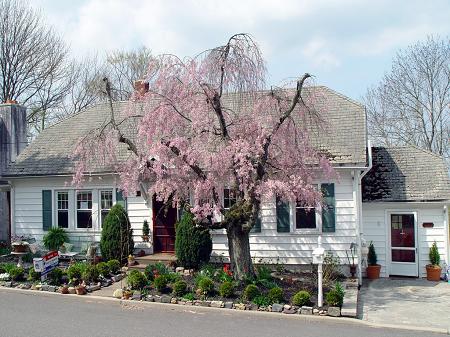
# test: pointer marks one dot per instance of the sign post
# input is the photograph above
(318, 256)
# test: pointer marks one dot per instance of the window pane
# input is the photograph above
(402, 230)
(305, 218)
(400, 255)
(84, 200)
(84, 219)
(104, 213)
(106, 199)
(63, 219)
(229, 199)
(63, 200)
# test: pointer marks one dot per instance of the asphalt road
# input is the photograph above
(27, 313)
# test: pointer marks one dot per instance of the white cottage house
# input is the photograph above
(41, 196)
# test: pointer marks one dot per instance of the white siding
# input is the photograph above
(376, 225)
(269, 246)
(27, 218)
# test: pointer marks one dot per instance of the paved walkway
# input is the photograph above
(406, 302)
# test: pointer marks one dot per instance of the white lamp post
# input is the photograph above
(318, 256)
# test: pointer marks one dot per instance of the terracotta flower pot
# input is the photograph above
(373, 272)
(20, 247)
(353, 270)
(145, 238)
(433, 272)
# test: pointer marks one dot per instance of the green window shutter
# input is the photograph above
(283, 217)
(328, 208)
(46, 209)
(120, 199)
(257, 227)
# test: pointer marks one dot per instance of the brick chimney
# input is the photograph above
(13, 139)
(141, 87)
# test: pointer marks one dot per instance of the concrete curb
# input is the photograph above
(167, 306)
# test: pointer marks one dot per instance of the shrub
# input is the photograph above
(6, 267)
(331, 268)
(145, 228)
(189, 297)
(160, 268)
(114, 266)
(435, 258)
(55, 277)
(372, 255)
(33, 275)
(335, 297)
(226, 289)
(103, 269)
(136, 280)
(54, 238)
(16, 273)
(261, 300)
(250, 292)
(275, 295)
(116, 241)
(206, 286)
(301, 298)
(173, 277)
(179, 288)
(76, 270)
(160, 283)
(263, 273)
(193, 245)
(90, 274)
(149, 273)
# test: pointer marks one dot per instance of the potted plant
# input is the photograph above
(373, 269)
(55, 238)
(434, 269)
(145, 231)
(19, 244)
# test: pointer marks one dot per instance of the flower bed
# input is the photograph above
(214, 286)
(79, 277)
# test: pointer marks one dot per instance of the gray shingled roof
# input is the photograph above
(344, 137)
(406, 174)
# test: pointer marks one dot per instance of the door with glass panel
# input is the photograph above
(403, 244)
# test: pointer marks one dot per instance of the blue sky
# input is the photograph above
(347, 44)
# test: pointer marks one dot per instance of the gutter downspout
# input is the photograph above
(359, 221)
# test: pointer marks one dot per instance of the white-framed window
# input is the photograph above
(62, 209)
(229, 198)
(305, 218)
(106, 202)
(84, 209)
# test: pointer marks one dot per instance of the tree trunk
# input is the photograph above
(239, 250)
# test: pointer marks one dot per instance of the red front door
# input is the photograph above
(164, 219)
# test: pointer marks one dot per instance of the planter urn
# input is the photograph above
(20, 247)
(373, 271)
(433, 272)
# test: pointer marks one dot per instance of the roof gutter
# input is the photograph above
(359, 221)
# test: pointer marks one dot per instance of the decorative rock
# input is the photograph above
(157, 298)
(228, 305)
(289, 311)
(179, 270)
(323, 313)
(45, 287)
(287, 307)
(217, 304)
(197, 302)
(118, 293)
(137, 296)
(173, 300)
(93, 288)
(316, 311)
(72, 290)
(33, 287)
(262, 308)
(239, 306)
(106, 283)
(189, 303)
(165, 299)
(149, 298)
(117, 278)
(306, 310)
(334, 311)
(277, 307)
(252, 306)
(38, 286)
(205, 303)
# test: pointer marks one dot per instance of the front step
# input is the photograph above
(146, 260)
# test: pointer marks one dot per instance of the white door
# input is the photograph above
(403, 244)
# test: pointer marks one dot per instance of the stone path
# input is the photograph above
(108, 291)
(406, 302)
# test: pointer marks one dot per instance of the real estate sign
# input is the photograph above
(46, 264)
